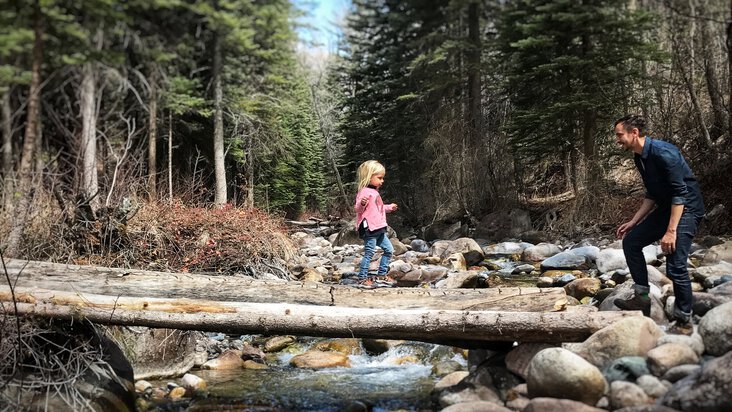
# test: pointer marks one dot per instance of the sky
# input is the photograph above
(324, 18)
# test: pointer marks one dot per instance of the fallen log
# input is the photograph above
(149, 284)
(469, 327)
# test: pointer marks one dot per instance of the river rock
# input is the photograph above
(346, 346)
(581, 288)
(315, 359)
(557, 372)
(229, 359)
(565, 260)
(694, 341)
(610, 259)
(668, 355)
(518, 360)
(680, 372)
(707, 390)
(626, 368)
(631, 336)
(624, 394)
(715, 329)
(540, 252)
(476, 406)
(277, 343)
(463, 279)
(505, 249)
(159, 353)
(652, 386)
(419, 245)
(451, 379)
(192, 383)
(590, 252)
(718, 253)
(465, 392)
(554, 404)
(456, 261)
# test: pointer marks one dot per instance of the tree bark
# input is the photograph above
(152, 147)
(144, 284)
(7, 129)
(25, 170)
(468, 327)
(473, 63)
(719, 119)
(219, 165)
(90, 184)
(170, 157)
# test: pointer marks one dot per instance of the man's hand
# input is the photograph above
(668, 242)
(624, 229)
(365, 200)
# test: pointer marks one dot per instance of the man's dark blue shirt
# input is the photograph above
(668, 178)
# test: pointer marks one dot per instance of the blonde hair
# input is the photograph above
(366, 170)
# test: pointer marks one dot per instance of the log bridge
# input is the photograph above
(241, 305)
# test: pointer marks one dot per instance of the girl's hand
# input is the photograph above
(394, 207)
(365, 200)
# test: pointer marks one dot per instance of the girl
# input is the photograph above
(371, 219)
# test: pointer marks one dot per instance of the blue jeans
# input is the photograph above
(369, 247)
(650, 230)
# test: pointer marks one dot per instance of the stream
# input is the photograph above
(400, 379)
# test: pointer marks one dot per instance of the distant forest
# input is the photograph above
(473, 106)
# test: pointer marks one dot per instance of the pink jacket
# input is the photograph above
(374, 212)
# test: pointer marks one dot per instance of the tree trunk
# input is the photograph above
(152, 147)
(719, 122)
(461, 327)
(147, 284)
(25, 169)
(250, 172)
(170, 157)
(89, 183)
(7, 128)
(729, 79)
(219, 165)
(473, 63)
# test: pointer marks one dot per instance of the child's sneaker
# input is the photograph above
(385, 281)
(366, 282)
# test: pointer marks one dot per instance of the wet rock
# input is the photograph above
(668, 355)
(465, 392)
(557, 372)
(345, 346)
(632, 336)
(177, 393)
(315, 359)
(252, 364)
(379, 346)
(277, 343)
(230, 359)
(715, 329)
(624, 394)
(707, 390)
(451, 379)
(192, 383)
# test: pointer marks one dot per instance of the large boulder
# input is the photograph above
(559, 373)
(631, 336)
(706, 390)
(715, 329)
(161, 353)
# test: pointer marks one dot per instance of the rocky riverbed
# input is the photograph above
(632, 365)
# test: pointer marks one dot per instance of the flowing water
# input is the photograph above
(400, 379)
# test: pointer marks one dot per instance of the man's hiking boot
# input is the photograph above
(636, 302)
(681, 327)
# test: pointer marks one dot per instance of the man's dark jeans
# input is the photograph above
(652, 229)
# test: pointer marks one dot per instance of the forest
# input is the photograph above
(473, 106)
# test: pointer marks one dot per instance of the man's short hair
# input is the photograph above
(630, 121)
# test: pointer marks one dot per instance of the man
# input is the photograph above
(671, 212)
